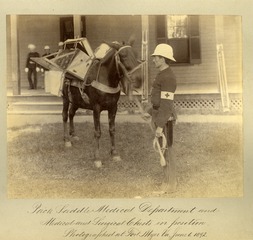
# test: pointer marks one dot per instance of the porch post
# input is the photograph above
(222, 80)
(144, 56)
(219, 35)
(219, 28)
(77, 26)
(15, 76)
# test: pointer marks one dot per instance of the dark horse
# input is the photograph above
(118, 67)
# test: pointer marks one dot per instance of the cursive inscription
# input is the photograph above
(142, 221)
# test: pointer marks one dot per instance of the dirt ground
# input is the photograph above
(208, 157)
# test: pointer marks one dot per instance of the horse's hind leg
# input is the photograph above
(97, 135)
(65, 110)
(72, 112)
(111, 118)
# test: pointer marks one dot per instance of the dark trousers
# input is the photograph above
(32, 83)
(170, 168)
(168, 131)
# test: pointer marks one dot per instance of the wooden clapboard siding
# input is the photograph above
(206, 71)
(113, 28)
(233, 49)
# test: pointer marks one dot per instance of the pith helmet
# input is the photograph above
(31, 46)
(46, 47)
(164, 50)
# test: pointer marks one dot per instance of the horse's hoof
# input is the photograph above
(98, 164)
(68, 144)
(116, 158)
(75, 138)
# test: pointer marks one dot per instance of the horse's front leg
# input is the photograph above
(111, 118)
(97, 135)
(72, 112)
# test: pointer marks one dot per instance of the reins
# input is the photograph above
(156, 145)
(160, 148)
(126, 73)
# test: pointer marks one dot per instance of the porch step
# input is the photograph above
(35, 106)
(33, 112)
(33, 98)
(39, 108)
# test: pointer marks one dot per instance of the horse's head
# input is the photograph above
(126, 59)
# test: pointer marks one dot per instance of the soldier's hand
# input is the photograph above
(37, 69)
(26, 70)
(146, 116)
(158, 132)
(42, 70)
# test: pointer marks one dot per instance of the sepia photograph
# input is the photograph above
(126, 120)
(103, 109)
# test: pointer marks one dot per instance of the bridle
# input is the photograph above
(128, 74)
(119, 64)
(120, 68)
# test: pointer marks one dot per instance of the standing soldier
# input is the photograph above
(60, 47)
(31, 67)
(46, 51)
(163, 113)
(44, 71)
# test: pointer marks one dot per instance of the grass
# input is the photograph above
(209, 162)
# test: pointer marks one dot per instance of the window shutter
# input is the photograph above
(161, 29)
(194, 40)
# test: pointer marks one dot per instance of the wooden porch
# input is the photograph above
(188, 100)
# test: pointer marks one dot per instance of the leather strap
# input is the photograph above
(105, 88)
(97, 85)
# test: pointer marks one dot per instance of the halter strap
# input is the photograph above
(119, 63)
(127, 73)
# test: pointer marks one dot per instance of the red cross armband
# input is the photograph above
(167, 95)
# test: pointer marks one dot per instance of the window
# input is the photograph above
(182, 33)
